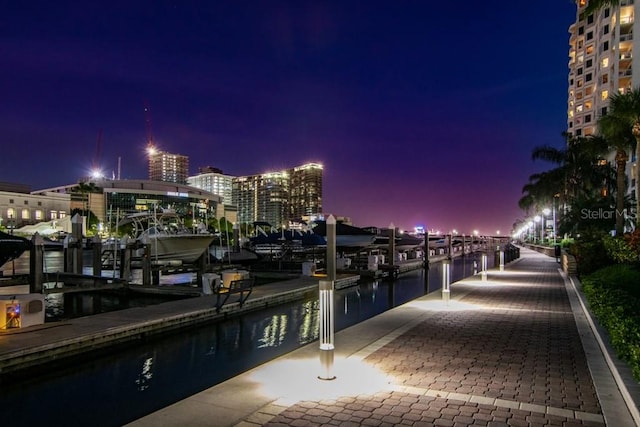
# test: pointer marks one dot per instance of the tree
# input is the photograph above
(85, 188)
(619, 138)
(579, 175)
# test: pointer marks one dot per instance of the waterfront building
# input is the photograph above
(167, 167)
(20, 207)
(305, 193)
(214, 181)
(279, 197)
(110, 199)
(601, 63)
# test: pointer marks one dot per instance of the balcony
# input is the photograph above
(625, 73)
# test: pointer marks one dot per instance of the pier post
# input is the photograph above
(76, 233)
(463, 245)
(450, 246)
(446, 280)
(66, 254)
(326, 314)
(392, 245)
(236, 238)
(36, 265)
(426, 260)
(146, 266)
(97, 255)
(125, 258)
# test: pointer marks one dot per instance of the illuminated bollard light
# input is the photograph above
(484, 266)
(501, 260)
(446, 280)
(326, 330)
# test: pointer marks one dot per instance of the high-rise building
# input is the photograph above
(214, 181)
(601, 63)
(168, 167)
(278, 197)
(305, 190)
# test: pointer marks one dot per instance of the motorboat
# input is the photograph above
(402, 241)
(168, 238)
(347, 236)
(11, 247)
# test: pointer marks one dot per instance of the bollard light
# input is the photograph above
(446, 280)
(502, 260)
(484, 266)
(326, 330)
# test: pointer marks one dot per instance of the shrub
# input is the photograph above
(590, 254)
(615, 301)
(619, 250)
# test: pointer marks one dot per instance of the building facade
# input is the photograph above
(20, 207)
(110, 200)
(168, 167)
(305, 194)
(279, 197)
(602, 63)
(214, 181)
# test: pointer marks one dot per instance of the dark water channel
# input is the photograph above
(120, 385)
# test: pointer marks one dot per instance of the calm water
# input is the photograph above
(125, 384)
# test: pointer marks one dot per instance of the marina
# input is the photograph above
(145, 375)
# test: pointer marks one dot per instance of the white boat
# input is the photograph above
(168, 239)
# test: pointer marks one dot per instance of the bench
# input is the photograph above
(244, 287)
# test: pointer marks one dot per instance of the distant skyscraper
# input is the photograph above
(214, 181)
(601, 63)
(278, 197)
(168, 167)
(305, 190)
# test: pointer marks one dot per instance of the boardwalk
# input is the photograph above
(515, 350)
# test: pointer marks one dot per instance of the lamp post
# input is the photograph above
(536, 219)
(545, 212)
(326, 306)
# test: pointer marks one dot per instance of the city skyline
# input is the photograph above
(420, 114)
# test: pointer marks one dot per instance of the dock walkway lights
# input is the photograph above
(326, 330)
(484, 266)
(326, 306)
(446, 280)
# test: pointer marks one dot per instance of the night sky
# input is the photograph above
(421, 112)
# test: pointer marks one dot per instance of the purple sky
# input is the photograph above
(421, 112)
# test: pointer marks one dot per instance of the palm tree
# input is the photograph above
(579, 174)
(596, 5)
(619, 137)
(624, 111)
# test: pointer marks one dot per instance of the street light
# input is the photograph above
(535, 219)
(546, 212)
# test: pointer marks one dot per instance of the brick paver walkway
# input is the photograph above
(513, 357)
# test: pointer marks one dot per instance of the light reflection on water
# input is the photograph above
(117, 386)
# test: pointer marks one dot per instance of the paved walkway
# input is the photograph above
(515, 350)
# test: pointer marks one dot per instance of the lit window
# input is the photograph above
(11, 213)
(590, 49)
(588, 90)
(26, 214)
(588, 105)
(605, 78)
(63, 214)
(604, 63)
(580, 83)
(54, 214)
(38, 215)
(579, 108)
